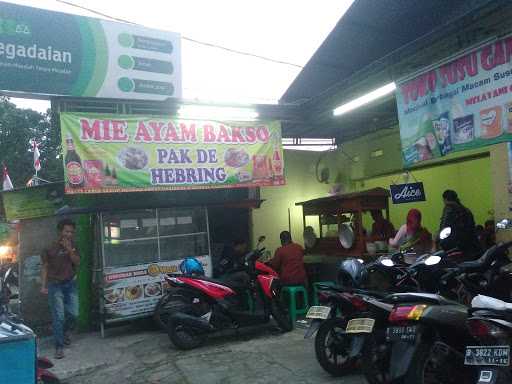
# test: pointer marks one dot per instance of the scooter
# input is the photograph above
(210, 305)
(428, 333)
(490, 323)
(336, 350)
(12, 325)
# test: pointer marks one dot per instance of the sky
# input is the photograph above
(285, 30)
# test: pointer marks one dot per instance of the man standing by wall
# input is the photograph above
(59, 264)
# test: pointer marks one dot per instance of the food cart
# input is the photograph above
(340, 223)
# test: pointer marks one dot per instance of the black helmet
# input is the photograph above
(350, 273)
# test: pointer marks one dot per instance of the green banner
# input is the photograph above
(114, 153)
(34, 202)
(53, 53)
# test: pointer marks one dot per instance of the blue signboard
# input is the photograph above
(407, 193)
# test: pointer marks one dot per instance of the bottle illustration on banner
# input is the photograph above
(277, 162)
(73, 163)
(114, 176)
(107, 181)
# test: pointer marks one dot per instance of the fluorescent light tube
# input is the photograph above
(365, 99)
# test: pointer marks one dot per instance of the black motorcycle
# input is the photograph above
(428, 333)
(490, 324)
(337, 350)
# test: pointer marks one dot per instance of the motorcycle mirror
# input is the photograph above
(387, 262)
(7, 274)
(432, 260)
(261, 239)
(445, 233)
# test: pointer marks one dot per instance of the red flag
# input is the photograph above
(37, 162)
(7, 184)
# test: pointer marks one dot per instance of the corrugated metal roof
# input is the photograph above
(368, 31)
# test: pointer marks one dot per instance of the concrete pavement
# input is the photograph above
(131, 355)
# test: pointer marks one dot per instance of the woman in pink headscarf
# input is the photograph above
(412, 237)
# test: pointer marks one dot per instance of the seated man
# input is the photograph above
(382, 229)
(288, 261)
(230, 268)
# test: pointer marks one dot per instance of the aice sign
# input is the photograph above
(407, 193)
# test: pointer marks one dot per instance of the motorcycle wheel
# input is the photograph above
(280, 315)
(174, 300)
(330, 345)
(431, 367)
(184, 337)
(375, 360)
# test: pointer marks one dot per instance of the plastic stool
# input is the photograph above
(316, 288)
(292, 292)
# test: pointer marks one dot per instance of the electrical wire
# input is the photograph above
(204, 43)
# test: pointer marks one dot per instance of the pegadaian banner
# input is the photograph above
(54, 53)
(114, 153)
(464, 104)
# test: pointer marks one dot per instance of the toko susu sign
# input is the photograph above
(114, 153)
(407, 193)
(53, 53)
(464, 104)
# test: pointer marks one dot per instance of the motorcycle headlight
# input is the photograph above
(387, 262)
(432, 260)
(445, 233)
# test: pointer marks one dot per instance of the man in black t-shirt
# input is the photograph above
(460, 219)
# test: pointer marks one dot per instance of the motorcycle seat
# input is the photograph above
(486, 302)
(220, 281)
(413, 297)
(480, 263)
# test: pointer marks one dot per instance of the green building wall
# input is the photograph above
(356, 167)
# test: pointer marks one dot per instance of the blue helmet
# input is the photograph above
(191, 266)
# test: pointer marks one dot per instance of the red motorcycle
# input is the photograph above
(203, 305)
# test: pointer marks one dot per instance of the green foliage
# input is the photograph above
(17, 128)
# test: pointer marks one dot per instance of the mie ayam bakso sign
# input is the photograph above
(53, 53)
(113, 153)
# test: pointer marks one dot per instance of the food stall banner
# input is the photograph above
(54, 53)
(464, 104)
(134, 291)
(114, 153)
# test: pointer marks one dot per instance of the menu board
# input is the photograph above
(134, 291)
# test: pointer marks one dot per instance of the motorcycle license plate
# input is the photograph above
(362, 325)
(318, 312)
(401, 333)
(488, 355)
